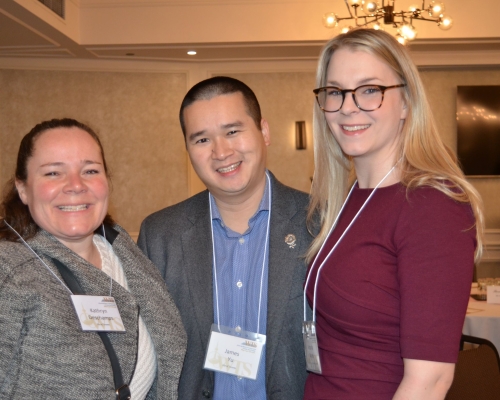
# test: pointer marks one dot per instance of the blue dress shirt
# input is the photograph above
(239, 261)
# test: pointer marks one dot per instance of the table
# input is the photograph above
(483, 320)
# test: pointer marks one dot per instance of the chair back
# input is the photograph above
(477, 372)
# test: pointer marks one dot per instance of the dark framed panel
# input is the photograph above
(478, 130)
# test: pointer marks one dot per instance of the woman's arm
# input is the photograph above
(11, 323)
(425, 380)
(435, 266)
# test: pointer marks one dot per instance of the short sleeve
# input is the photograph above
(436, 240)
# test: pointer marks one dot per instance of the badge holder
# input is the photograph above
(97, 313)
(234, 352)
(313, 362)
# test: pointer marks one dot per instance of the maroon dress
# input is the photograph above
(397, 286)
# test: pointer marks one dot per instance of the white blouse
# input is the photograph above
(145, 370)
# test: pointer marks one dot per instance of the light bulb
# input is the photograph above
(378, 27)
(408, 31)
(401, 39)
(445, 23)
(436, 9)
(330, 20)
(345, 29)
(369, 7)
(355, 3)
(413, 8)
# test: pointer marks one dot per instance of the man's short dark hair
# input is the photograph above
(217, 86)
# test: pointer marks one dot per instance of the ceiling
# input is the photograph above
(152, 30)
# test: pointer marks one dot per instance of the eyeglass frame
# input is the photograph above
(344, 91)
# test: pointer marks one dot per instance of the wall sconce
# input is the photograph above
(300, 135)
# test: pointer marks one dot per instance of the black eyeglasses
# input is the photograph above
(366, 97)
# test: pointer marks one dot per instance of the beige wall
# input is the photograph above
(135, 115)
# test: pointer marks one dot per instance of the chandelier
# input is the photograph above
(372, 14)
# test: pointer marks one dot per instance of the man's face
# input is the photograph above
(226, 148)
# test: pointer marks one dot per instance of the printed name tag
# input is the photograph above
(311, 350)
(97, 313)
(493, 294)
(234, 352)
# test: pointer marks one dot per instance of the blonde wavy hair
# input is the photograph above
(425, 159)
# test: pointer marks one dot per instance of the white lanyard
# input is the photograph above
(46, 266)
(33, 251)
(336, 244)
(95, 313)
(263, 261)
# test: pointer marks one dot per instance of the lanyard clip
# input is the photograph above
(123, 393)
(309, 328)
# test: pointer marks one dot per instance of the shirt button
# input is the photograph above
(242, 240)
(240, 378)
(238, 329)
(239, 284)
(206, 393)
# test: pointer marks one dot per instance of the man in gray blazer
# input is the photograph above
(231, 256)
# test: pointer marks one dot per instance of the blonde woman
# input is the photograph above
(396, 250)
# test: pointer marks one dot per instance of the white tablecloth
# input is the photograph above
(483, 320)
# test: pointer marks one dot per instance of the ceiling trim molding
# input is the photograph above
(456, 59)
(423, 59)
(228, 45)
(30, 47)
(188, 3)
(49, 53)
(20, 22)
(208, 60)
(155, 67)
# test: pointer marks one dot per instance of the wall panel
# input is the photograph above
(135, 115)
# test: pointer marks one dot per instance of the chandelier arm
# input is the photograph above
(427, 19)
(406, 14)
(420, 18)
(348, 9)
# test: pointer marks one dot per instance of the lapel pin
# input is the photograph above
(290, 240)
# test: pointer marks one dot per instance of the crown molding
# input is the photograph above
(188, 3)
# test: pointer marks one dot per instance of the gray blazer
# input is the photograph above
(43, 352)
(178, 240)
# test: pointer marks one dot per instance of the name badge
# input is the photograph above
(234, 352)
(97, 313)
(493, 294)
(311, 350)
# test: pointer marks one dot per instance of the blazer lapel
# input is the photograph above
(284, 260)
(198, 259)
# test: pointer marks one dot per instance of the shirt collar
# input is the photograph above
(264, 204)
